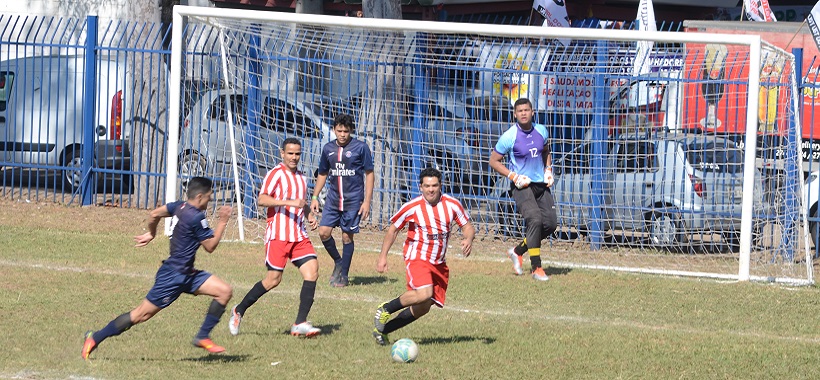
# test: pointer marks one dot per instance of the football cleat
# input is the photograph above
(89, 345)
(341, 282)
(208, 345)
(538, 274)
(234, 322)
(381, 339)
(337, 273)
(517, 260)
(381, 317)
(305, 329)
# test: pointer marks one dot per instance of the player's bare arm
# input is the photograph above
(153, 220)
(389, 239)
(467, 242)
(497, 164)
(369, 182)
(266, 200)
(321, 179)
(224, 214)
(311, 218)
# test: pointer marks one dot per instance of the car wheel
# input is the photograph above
(190, 165)
(73, 175)
(666, 232)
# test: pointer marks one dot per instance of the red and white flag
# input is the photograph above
(554, 13)
(758, 10)
(813, 20)
(646, 22)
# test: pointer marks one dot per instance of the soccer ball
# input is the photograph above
(404, 351)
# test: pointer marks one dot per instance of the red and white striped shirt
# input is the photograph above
(285, 223)
(428, 227)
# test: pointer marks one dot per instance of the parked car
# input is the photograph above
(668, 186)
(462, 127)
(42, 109)
(205, 147)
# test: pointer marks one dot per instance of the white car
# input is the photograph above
(205, 147)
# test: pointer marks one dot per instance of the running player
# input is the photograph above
(284, 193)
(428, 218)
(526, 143)
(177, 275)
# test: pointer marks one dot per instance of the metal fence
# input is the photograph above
(86, 110)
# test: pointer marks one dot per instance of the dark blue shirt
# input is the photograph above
(345, 167)
(188, 228)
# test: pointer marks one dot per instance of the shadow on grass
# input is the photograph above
(370, 280)
(456, 339)
(552, 271)
(326, 329)
(218, 358)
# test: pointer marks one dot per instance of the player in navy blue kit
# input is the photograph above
(177, 274)
(346, 165)
(530, 173)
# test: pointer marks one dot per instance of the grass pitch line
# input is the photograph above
(334, 295)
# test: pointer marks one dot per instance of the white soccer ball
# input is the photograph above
(404, 351)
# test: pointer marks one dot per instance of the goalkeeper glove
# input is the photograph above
(549, 178)
(520, 181)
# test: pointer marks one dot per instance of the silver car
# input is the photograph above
(205, 147)
(668, 187)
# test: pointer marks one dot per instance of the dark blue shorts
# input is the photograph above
(348, 220)
(169, 284)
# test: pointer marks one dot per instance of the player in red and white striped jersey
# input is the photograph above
(428, 219)
(284, 193)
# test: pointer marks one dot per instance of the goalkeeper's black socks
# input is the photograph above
(521, 248)
(535, 261)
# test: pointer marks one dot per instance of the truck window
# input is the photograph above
(635, 156)
(219, 108)
(6, 81)
(719, 156)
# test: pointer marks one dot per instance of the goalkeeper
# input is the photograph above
(530, 174)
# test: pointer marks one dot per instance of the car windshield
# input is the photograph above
(490, 109)
(720, 156)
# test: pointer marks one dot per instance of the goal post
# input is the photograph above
(689, 165)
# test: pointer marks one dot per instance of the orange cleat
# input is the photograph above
(208, 345)
(89, 345)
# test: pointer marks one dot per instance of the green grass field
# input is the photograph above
(66, 270)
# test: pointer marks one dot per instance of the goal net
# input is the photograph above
(673, 152)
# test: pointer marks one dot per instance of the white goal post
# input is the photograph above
(435, 93)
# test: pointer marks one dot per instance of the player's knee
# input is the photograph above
(347, 238)
(422, 308)
(324, 234)
(270, 282)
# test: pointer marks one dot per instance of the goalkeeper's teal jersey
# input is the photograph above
(525, 150)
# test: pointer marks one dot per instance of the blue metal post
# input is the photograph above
(89, 112)
(254, 109)
(420, 111)
(793, 172)
(600, 125)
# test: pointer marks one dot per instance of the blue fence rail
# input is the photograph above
(90, 104)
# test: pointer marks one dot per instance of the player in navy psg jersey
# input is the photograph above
(346, 165)
(177, 274)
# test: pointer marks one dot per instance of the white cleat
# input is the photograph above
(236, 320)
(305, 329)
(518, 261)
